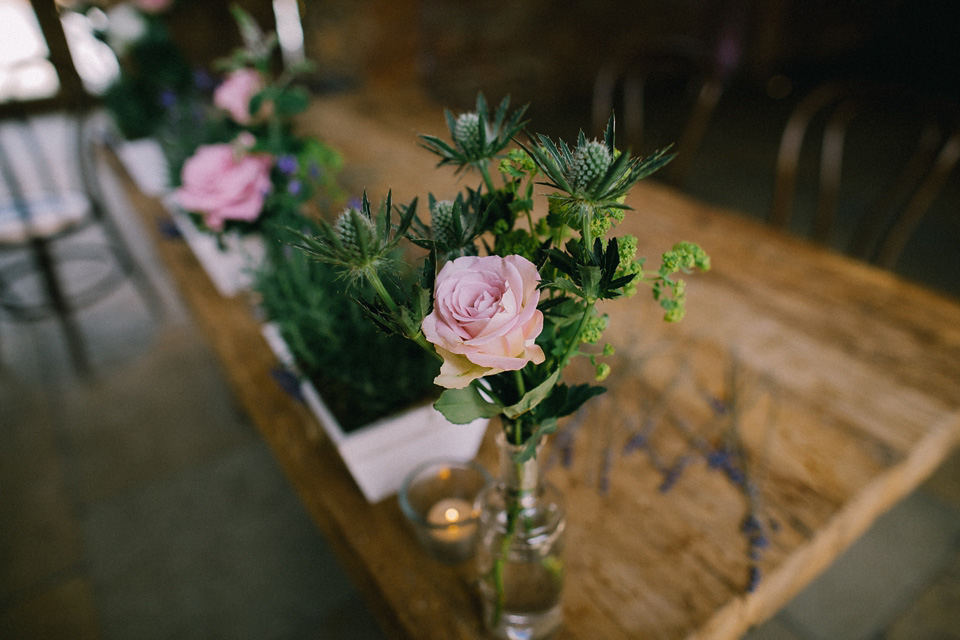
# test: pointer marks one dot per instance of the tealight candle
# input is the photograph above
(447, 517)
(437, 499)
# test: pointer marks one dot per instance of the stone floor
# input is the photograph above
(141, 504)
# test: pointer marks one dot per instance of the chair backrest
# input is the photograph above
(47, 181)
(922, 139)
(704, 60)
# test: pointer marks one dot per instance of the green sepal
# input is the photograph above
(463, 406)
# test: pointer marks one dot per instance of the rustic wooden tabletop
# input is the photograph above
(736, 454)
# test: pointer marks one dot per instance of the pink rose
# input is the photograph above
(235, 92)
(485, 318)
(222, 184)
(153, 6)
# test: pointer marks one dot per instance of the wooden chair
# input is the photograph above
(926, 128)
(704, 59)
(53, 263)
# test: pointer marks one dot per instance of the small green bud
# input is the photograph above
(602, 371)
(599, 225)
(627, 246)
(593, 329)
(517, 242)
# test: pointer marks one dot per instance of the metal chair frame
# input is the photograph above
(885, 226)
(41, 258)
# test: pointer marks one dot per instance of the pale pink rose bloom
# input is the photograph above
(234, 94)
(221, 184)
(485, 318)
(153, 6)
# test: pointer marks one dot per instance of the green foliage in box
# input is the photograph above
(361, 372)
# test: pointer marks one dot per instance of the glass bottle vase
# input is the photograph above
(520, 549)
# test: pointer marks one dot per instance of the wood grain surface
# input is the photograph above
(839, 381)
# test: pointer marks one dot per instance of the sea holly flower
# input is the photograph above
(592, 177)
(445, 221)
(356, 232)
(485, 318)
(589, 163)
(477, 139)
(470, 134)
(358, 241)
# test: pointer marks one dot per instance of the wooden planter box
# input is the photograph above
(381, 454)
(231, 260)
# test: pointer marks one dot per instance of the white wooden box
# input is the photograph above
(381, 454)
(230, 260)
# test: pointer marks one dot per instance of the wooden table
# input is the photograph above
(841, 381)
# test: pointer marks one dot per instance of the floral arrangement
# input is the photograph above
(253, 167)
(505, 299)
(150, 62)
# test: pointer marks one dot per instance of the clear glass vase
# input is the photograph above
(520, 550)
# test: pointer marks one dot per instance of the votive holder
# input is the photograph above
(438, 498)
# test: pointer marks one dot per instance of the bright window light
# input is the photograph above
(25, 72)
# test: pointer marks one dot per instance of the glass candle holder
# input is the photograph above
(438, 499)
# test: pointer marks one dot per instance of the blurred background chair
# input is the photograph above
(59, 250)
(700, 59)
(869, 191)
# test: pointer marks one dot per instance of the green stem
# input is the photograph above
(585, 231)
(513, 499)
(513, 512)
(575, 341)
(485, 172)
(374, 279)
(521, 387)
(274, 130)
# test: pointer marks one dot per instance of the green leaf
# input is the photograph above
(567, 286)
(292, 101)
(590, 280)
(533, 397)
(462, 406)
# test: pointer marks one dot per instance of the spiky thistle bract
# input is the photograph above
(592, 176)
(476, 138)
(360, 242)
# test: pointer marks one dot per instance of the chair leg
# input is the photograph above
(64, 314)
(94, 190)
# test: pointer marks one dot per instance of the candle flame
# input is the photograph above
(451, 515)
